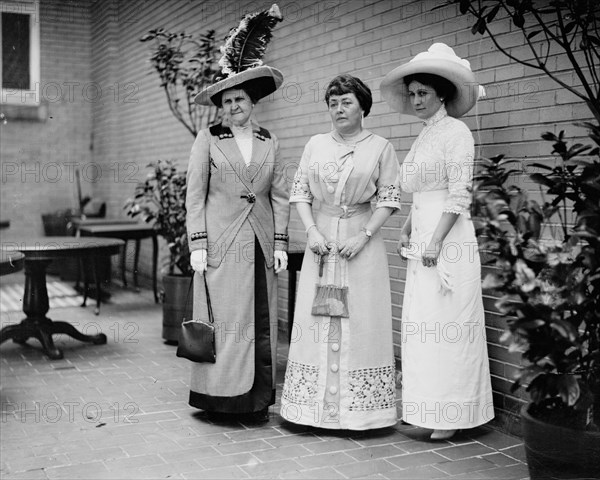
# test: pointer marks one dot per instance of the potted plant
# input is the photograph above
(546, 256)
(547, 276)
(185, 65)
(160, 200)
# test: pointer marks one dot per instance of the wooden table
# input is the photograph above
(126, 231)
(39, 252)
(10, 262)
(83, 221)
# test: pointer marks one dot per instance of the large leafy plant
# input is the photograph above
(547, 275)
(185, 65)
(160, 200)
(546, 253)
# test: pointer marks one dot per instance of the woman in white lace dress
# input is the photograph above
(341, 370)
(445, 370)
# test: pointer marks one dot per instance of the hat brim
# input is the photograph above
(262, 80)
(395, 92)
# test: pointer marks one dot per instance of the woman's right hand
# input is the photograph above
(198, 260)
(317, 242)
(403, 242)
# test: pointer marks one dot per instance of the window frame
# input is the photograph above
(31, 96)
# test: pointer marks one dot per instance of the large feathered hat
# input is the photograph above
(441, 60)
(241, 62)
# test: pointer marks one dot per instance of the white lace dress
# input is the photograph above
(445, 368)
(341, 371)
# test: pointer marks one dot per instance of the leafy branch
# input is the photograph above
(160, 200)
(185, 66)
(570, 25)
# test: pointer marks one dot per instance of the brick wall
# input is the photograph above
(38, 157)
(317, 40)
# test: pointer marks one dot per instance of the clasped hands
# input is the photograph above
(429, 257)
(347, 249)
(199, 260)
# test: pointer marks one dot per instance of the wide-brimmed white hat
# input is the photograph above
(441, 60)
(262, 81)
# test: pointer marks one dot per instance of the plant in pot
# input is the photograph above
(547, 277)
(185, 65)
(546, 256)
(160, 200)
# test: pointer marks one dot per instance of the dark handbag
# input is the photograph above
(197, 338)
(331, 300)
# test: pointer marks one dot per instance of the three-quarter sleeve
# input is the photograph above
(198, 174)
(459, 161)
(279, 200)
(300, 187)
(388, 182)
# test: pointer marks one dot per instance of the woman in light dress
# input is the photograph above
(341, 370)
(445, 369)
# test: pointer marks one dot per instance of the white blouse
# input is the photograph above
(442, 157)
(243, 138)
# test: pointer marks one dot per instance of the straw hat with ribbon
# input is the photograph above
(241, 62)
(440, 60)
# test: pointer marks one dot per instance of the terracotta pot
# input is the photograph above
(555, 452)
(177, 305)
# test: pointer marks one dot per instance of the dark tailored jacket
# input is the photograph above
(222, 193)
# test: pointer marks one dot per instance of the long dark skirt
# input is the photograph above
(262, 393)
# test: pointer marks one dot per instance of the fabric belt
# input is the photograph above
(344, 211)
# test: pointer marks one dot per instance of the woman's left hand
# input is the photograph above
(281, 260)
(353, 245)
(430, 256)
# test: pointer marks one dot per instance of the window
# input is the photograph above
(20, 51)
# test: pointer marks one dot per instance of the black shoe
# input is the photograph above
(261, 416)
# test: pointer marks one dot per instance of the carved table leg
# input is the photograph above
(35, 306)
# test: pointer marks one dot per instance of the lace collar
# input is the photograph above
(436, 117)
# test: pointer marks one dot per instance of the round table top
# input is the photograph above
(78, 221)
(10, 262)
(103, 230)
(42, 248)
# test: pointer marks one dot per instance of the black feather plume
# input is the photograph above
(245, 45)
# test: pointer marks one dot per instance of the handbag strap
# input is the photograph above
(211, 317)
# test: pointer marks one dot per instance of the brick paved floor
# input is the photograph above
(120, 411)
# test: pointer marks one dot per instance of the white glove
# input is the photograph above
(281, 260)
(198, 260)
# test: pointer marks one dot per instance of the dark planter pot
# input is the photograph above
(177, 305)
(555, 452)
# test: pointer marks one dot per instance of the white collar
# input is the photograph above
(437, 116)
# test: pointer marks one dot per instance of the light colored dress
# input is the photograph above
(238, 211)
(341, 371)
(445, 368)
